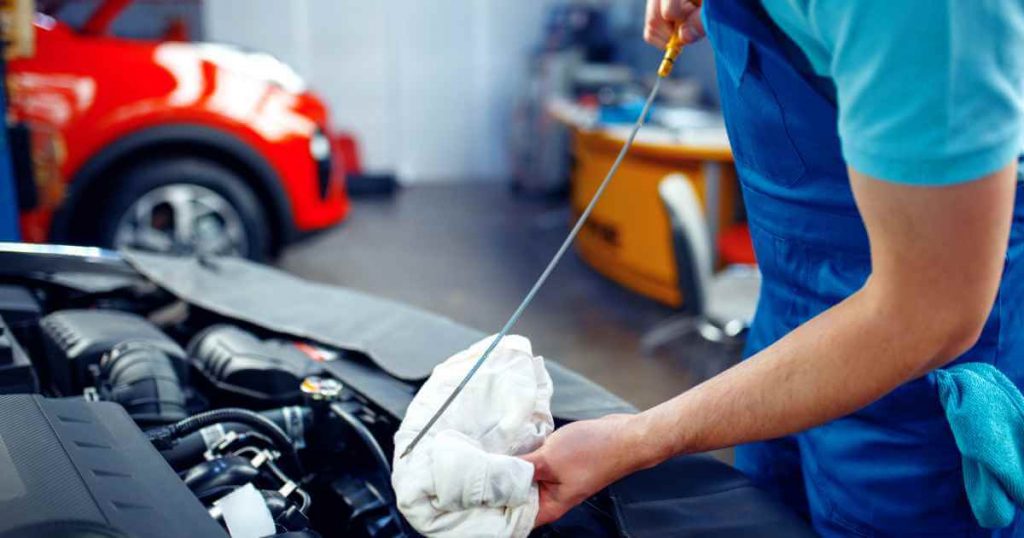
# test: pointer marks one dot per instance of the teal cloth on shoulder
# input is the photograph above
(986, 413)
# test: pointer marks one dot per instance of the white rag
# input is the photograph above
(462, 479)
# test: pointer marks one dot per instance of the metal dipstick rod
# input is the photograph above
(671, 52)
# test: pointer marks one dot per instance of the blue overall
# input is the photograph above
(892, 468)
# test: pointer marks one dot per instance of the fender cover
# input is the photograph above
(405, 342)
(686, 497)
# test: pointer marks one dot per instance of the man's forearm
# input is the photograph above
(933, 283)
(836, 363)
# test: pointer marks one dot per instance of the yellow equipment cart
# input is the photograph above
(628, 237)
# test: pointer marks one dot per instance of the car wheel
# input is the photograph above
(185, 206)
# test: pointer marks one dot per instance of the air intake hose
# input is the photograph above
(142, 378)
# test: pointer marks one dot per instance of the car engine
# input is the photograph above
(233, 426)
(169, 397)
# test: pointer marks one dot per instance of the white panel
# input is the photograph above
(436, 100)
(513, 32)
(269, 25)
(353, 46)
(427, 86)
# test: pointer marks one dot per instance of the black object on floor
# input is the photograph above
(371, 185)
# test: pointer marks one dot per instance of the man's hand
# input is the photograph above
(664, 17)
(579, 460)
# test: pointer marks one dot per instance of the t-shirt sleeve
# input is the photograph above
(929, 91)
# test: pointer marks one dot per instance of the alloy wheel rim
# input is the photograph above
(184, 219)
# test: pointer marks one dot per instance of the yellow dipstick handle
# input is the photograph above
(672, 50)
(674, 47)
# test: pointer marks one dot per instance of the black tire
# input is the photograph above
(139, 180)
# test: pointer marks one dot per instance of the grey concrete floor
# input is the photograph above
(471, 252)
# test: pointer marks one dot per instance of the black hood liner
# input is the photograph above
(403, 341)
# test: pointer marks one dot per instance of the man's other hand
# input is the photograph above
(667, 16)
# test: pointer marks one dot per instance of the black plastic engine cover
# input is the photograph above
(75, 340)
(70, 463)
(16, 372)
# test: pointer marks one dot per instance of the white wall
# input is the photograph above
(427, 86)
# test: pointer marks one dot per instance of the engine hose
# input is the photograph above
(164, 438)
(365, 435)
(280, 475)
(188, 450)
(304, 505)
(142, 378)
(378, 453)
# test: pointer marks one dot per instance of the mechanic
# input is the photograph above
(877, 147)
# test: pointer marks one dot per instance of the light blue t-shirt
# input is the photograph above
(930, 92)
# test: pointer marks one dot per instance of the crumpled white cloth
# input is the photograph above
(462, 479)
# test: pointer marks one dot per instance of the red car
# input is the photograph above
(171, 146)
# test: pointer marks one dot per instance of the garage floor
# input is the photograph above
(471, 252)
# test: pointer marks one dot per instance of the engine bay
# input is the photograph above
(226, 407)
(144, 395)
